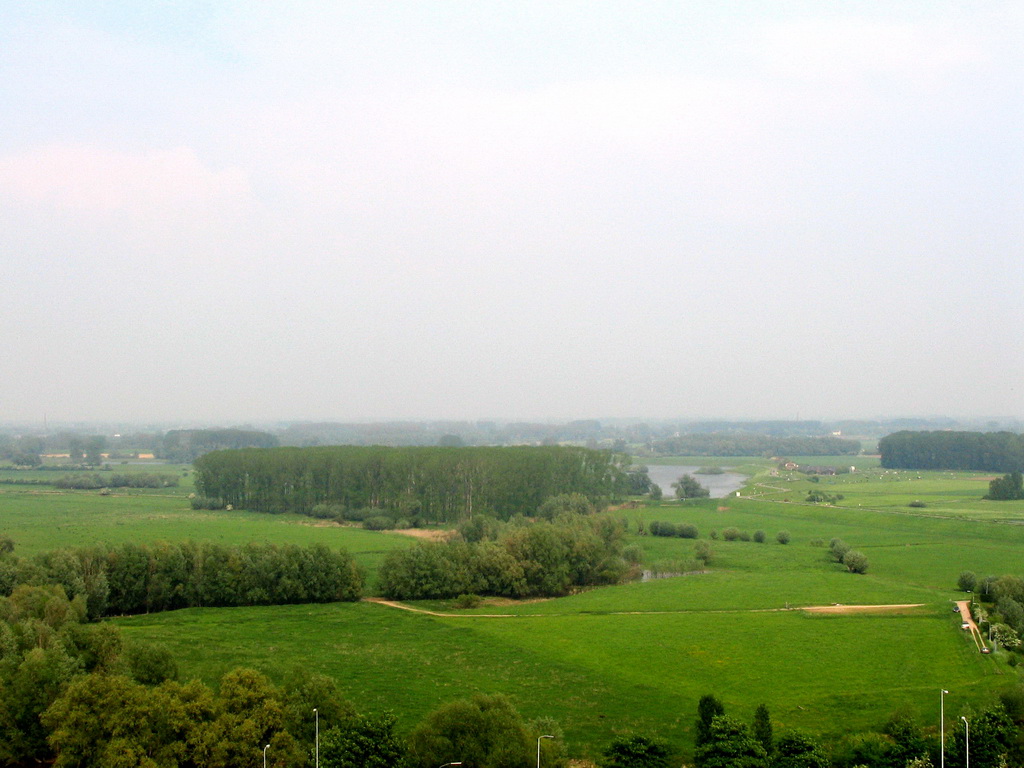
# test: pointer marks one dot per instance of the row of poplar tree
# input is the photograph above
(434, 484)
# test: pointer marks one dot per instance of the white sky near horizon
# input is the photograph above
(444, 210)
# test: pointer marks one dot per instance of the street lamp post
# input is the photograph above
(967, 742)
(942, 728)
(316, 715)
(265, 755)
(538, 747)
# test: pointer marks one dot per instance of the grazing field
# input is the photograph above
(636, 657)
(43, 519)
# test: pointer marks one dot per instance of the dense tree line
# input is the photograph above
(976, 451)
(436, 484)
(139, 578)
(731, 444)
(186, 445)
(539, 559)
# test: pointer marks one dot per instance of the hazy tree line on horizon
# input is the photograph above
(728, 444)
(433, 484)
(967, 451)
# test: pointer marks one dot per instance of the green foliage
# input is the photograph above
(838, 548)
(687, 487)
(565, 504)
(708, 708)
(730, 745)
(992, 736)
(855, 562)
(482, 732)
(798, 750)
(762, 728)
(734, 444)
(1006, 488)
(703, 552)
(983, 451)
(760, 536)
(362, 742)
(783, 537)
(636, 752)
(134, 578)
(819, 497)
(539, 559)
(439, 484)
(186, 445)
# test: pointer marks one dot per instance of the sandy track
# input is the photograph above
(831, 609)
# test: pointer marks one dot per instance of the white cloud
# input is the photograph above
(82, 179)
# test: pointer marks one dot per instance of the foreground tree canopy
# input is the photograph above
(439, 484)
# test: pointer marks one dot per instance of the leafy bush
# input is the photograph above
(783, 538)
(855, 562)
(686, 531)
(759, 537)
(636, 752)
(917, 504)
(838, 548)
(703, 552)
(659, 528)
(633, 554)
(967, 581)
(687, 487)
(732, 534)
(467, 601)
(378, 523)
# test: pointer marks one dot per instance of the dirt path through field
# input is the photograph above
(965, 617)
(831, 609)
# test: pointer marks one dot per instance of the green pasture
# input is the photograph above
(41, 520)
(600, 674)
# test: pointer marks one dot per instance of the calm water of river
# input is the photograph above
(719, 485)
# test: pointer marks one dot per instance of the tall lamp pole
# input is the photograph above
(317, 716)
(265, 755)
(538, 747)
(942, 728)
(967, 742)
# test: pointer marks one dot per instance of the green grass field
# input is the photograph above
(631, 658)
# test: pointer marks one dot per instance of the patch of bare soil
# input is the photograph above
(626, 505)
(848, 609)
(427, 534)
(722, 509)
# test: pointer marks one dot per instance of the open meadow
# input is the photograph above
(632, 658)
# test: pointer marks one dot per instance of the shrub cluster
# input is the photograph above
(136, 578)
(682, 530)
(117, 480)
(542, 559)
(818, 497)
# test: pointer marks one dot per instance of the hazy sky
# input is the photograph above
(340, 210)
